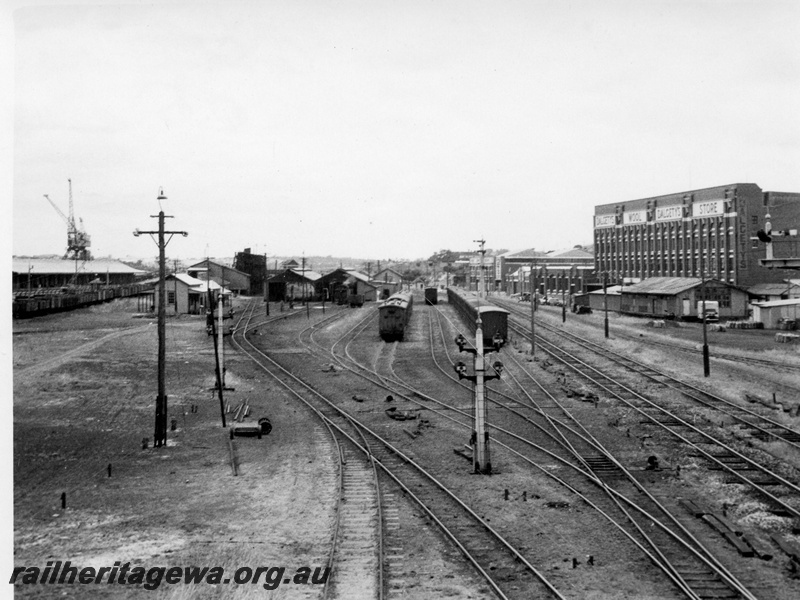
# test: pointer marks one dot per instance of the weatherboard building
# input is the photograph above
(673, 235)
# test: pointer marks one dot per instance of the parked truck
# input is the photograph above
(711, 308)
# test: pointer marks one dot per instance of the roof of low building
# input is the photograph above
(613, 290)
(204, 265)
(575, 252)
(770, 289)
(57, 266)
(310, 275)
(530, 253)
(774, 303)
(196, 285)
(663, 285)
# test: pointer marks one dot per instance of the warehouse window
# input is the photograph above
(170, 297)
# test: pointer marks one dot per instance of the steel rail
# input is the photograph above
(700, 552)
(789, 436)
(335, 434)
(338, 412)
(554, 351)
(672, 573)
(718, 355)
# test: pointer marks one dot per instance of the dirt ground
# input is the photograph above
(84, 393)
(84, 386)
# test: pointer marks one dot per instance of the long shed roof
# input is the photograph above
(663, 285)
(57, 266)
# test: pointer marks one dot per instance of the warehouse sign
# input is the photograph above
(605, 221)
(669, 213)
(710, 208)
(634, 217)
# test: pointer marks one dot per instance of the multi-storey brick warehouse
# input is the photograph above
(663, 236)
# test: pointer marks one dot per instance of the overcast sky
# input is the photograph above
(382, 129)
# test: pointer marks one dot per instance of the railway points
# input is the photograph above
(557, 459)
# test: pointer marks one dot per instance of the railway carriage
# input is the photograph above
(494, 320)
(431, 295)
(394, 314)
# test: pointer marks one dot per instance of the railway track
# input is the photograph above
(777, 490)
(671, 546)
(688, 565)
(718, 354)
(759, 426)
(504, 568)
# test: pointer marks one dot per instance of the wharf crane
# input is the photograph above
(78, 241)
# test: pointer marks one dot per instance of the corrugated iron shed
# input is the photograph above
(68, 267)
(666, 286)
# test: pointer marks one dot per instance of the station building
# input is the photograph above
(673, 235)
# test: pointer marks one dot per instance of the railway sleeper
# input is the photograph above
(760, 482)
(714, 593)
(790, 549)
(669, 422)
(602, 465)
(700, 575)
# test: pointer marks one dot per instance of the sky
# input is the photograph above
(383, 129)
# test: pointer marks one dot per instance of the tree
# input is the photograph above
(444, 256)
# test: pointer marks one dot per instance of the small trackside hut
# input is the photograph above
(394, 314)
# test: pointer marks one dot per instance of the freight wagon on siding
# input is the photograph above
(394, 314)
(42, 302)
(494, 320)
(431, 295)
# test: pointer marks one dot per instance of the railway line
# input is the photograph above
(506, 571)
(679, 553)
(758, 425)
(763, 479)
(688, 568)
(718, 355)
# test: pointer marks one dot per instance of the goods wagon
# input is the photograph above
(51, 300)
(494, 320)
(394, 314)
(355, 300)
(431, 295)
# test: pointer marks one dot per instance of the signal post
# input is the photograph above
(479, 440)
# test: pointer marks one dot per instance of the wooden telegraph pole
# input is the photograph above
(160, 436)
(533, 310)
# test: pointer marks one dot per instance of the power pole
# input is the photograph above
(305, 299)
(706, 362)
(605, 302)
(175, 279)
(266, 283)
(160, 436)
(533, 310)
(218, 373)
